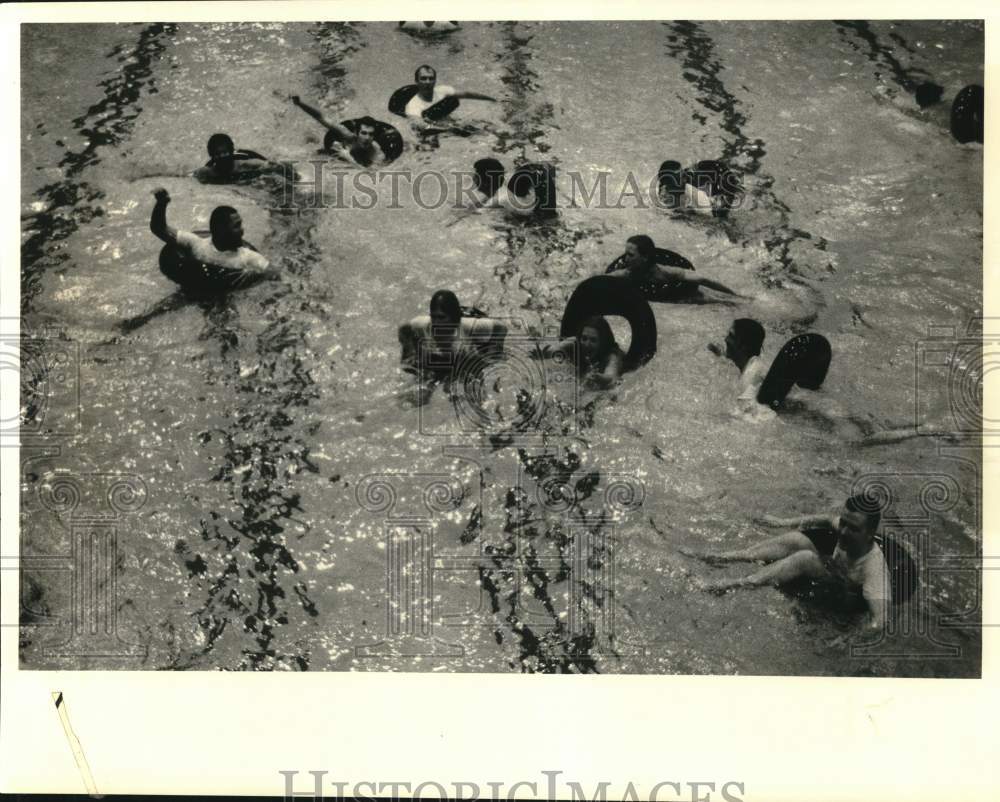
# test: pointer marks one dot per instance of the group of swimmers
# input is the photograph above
(842, 548)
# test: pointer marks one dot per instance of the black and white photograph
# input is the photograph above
(636, 347)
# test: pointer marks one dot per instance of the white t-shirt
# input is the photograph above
(870, 573)
(417, 105)
(232, 266)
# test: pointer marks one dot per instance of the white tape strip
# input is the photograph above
(74, 744)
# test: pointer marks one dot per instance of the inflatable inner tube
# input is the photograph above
(717, 180)
(403, 95)
(613, 295)
(438, 27)
(803, 360)
(199, 279)
(387, 137)
(904, 575)
(543, 182)
(967, 114)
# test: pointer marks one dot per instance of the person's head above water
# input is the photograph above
(859, 521)
(226, 226)
(367, 127)
(595, 338)
(488, 175)
(446, 312)
(521, 184)
(639, 252)
(221, 151)
(425, 77)
(744, 339)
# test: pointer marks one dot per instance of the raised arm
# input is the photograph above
(158, 220)
(317, 115)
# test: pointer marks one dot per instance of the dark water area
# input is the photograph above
(298, 512)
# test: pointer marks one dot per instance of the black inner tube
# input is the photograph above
(613, 295)
(803, 360)
(403, 95)
(387, 137)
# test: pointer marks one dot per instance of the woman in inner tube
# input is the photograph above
(600, 361)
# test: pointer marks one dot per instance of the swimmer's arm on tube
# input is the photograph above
(158, 220)
(474, 96)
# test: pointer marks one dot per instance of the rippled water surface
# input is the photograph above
(255, 427)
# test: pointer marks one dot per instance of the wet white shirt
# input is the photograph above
(417, 105)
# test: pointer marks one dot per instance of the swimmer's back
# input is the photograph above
(234, 267)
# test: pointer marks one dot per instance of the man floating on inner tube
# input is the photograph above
(661, 275)
(360, 146)
(227, 164)
(427, 101)
(212, 265)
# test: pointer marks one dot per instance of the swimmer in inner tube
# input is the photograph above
(360, 148)
(429, 93)
(491, 190)
(638, 263)
(436, 345)
(600, 361)
(227, 163)
(224, 261)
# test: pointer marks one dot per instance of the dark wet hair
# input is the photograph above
(488, 176)
(422, 68)
(369, 122)
(603, 328)
(216, 141)
(869, 507)
(220, 217)
(750, 333)
(644, 244)
(447, 302)
(521, 183)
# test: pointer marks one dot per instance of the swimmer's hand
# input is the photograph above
(715, 349)
(161, 195)
(296, 100)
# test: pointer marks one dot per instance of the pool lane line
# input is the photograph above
(69, 203)
(690, 44)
